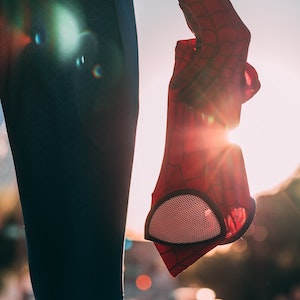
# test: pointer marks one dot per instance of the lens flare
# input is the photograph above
(205, 294)
(66, 31)
(234, 135)
(80, 61)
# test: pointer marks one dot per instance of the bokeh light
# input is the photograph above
(143, 282)
(260, 233)
(240, 246)
(184, 293)
(221, 249)
(205, 294)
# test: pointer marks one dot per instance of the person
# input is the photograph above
(69, 91)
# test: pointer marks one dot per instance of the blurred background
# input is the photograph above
(265, 263)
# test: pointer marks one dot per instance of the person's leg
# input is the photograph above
(70, 100)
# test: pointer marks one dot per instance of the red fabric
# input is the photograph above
(210, 82)
(214, 69)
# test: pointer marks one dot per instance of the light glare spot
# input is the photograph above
(97, 71)
(234, 135)
(80, 61)
(38, 39)
(210, 120)
(205, 294)
(66, 31)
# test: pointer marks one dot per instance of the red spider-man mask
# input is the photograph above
(202, 198)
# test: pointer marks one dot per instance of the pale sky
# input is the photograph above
(269, 133)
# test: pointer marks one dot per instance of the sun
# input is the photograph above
(234, 135)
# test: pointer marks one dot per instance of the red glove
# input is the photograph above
(202, 198)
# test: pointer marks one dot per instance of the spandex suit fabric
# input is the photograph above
(202, 198)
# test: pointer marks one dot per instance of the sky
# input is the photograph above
(269, 131)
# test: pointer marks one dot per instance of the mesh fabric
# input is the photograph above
(191, 221)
